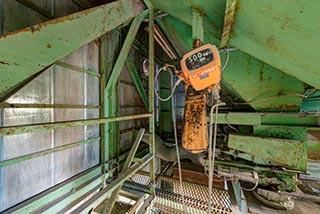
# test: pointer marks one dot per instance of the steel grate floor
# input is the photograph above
(168, 198)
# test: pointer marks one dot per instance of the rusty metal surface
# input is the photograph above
(270, 148)
(194, 137)
(282, 34)
(228, 22)
(42, 44)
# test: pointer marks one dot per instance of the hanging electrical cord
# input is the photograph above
(173, 88)
(212, 150)
(226, 51)
(171, 77)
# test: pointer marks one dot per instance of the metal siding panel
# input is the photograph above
(26, 179)
(23, 17)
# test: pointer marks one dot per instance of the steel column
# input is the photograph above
(228, 22)
(197, 27)
(104, 147)
(151, 98)
(110, 90)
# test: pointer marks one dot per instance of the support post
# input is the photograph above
(104, 149)
(197, 27)
(111, 89)
(151, 97)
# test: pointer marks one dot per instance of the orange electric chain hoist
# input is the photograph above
(201, 69)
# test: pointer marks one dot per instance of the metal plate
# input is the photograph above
(168, 198)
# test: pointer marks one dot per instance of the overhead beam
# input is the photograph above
(197, 27)
(43, 44)
(228, 22)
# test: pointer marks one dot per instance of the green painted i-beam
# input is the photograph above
(42, 44)
(151, 99)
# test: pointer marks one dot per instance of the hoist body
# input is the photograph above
(200, 68)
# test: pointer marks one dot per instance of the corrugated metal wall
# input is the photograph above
(56, 85)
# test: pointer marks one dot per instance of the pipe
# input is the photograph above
(169, 153)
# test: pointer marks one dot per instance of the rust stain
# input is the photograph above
(34, 28)
(289, 106)
(4, 63)
(313, 135)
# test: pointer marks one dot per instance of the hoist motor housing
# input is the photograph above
(201, 68)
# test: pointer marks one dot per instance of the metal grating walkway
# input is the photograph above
(168, 199)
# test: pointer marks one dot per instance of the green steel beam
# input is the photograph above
(197, 26)
(282, 34)
(182, 10)
(228, 22)
(65, 187)
(136, 80)
(111, 50)
(281, 119)
(41, 45)
(151, 99)
(11, 130)
(45, 152)
(271, 149)
(104, 147)
(76, 68)
(43, 105)
(101, 196)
